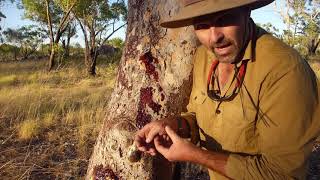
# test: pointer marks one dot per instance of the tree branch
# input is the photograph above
(62, 22)
(115, 30)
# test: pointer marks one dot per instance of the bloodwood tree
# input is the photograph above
(154, 81)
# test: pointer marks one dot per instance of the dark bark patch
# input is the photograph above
(162, 97)
(148, 60)
(120, 152)
(143, 118)
(102, 173)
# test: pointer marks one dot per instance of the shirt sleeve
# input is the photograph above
(287, 125)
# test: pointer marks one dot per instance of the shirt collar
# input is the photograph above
(249, 53)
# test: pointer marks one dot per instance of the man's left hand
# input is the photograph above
(174, 148)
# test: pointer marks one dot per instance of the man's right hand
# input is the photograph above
(145, 136)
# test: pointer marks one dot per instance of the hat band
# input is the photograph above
(189, 2)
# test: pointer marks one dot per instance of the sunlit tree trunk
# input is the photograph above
(153, 81)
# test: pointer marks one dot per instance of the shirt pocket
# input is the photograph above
(200, 99)
(238, 127)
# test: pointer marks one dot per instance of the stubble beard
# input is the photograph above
(231, 56)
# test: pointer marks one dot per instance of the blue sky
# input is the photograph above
(15, 19)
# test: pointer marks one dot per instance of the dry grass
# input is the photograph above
(49, 121)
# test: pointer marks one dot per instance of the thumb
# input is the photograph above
(173, 135)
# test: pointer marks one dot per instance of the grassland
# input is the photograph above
(49, 121)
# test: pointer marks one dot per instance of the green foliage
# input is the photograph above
(271, 29)
(302, 18)
(36, 10)
(116, 42)
(27, 38)
(100, 16)
(8, 52)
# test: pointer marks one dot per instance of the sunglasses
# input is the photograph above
(239, 76)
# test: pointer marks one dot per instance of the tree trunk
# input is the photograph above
(153, 82)
(51, 59)
(90, 60)
(313, 45)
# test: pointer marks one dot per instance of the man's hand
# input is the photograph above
(144, 138)
(173, 147)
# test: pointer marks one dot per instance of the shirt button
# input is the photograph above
(218, 111)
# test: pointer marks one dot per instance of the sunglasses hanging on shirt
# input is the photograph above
(239, 75)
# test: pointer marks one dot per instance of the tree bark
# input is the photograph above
(313, 45)
(91, 60)
(153, 81)
(51, 59)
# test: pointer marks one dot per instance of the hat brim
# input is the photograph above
(186, 15)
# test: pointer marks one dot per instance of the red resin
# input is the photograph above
(143, 118)
(149, 61)
(101, 173)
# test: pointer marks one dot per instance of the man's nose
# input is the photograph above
(216, 34)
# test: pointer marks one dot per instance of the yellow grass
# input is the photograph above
(29, 128)
(57, 108)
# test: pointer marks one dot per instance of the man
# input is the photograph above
(254, 105)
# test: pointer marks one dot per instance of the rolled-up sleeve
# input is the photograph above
(287, 125)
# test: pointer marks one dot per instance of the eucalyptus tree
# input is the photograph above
(302, 20)
(98, 20)
(52, 14)
(27, 39)
(153, 81)
(71, 31)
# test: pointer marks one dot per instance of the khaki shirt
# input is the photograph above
(270, 126)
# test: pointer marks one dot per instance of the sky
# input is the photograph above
(15, 20)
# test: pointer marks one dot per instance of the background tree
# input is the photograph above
(302, 19)
(98, 21)
(2, 16)
(271, 29)
(27, 38)
(116, 42)
(153, 81)
(54, 15)
(8, 52)
(71, 31)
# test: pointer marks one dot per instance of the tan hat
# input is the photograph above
(196, 8)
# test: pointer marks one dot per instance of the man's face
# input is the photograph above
(223, 33)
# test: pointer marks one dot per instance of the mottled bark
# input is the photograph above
(153, 82)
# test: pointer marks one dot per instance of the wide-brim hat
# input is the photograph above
(196, 8)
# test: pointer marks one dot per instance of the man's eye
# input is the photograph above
(201, 26)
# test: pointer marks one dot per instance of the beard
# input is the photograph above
(226, 51)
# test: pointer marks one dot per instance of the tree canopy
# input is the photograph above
(302, 20)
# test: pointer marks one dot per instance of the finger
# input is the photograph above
(173, 135)
(141, 135)
(140, 142)
(159, 147)
(167, 138)
(152, 152)
(152, 133)
(142, 148)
